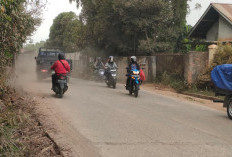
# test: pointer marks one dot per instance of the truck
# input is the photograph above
(45, 59)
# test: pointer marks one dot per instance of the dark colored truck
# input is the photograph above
(45, 59)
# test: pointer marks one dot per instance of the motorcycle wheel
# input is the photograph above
(130, 90)
(108, 83)
(61, 93)
(114, 84)
(136, 91)
(229, 109)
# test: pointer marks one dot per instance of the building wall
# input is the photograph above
(212, 34)
(171, 63)
(195, 62)
(186, 65)
(225, 30)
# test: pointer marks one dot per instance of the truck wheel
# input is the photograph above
(229, 109)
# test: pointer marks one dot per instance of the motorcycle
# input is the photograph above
(99, 74)
(134, 82)
(111, 78)
(61, 85)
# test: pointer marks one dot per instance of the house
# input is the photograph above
(215, 24)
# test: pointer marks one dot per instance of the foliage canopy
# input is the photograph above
(126, 27)
(65, 32)
(18, 19)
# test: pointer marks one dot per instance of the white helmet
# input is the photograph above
(133, 58)
(111, 58)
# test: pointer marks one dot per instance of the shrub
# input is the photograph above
(223, 55)
(174, 81)
(201, 48)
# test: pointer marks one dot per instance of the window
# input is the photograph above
(42, 53)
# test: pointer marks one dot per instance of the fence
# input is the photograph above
(187, 66)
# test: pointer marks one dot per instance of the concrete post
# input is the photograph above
(151, 68)
(212, 51)
(153, 65)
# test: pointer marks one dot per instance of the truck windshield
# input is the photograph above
(51, 54)
(47, 54)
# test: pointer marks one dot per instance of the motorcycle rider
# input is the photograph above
(110, 64)
(98, 64)
(132, 65)
(61, 66)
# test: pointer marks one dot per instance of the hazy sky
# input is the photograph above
(55, 7)
(195, 14)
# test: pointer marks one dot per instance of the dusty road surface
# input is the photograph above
(94, 120)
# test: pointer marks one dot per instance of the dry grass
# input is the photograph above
(21, 134)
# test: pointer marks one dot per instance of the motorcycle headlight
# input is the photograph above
(135, 72)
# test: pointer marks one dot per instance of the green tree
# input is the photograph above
(65, 32)
(126, 27)
(18, 20)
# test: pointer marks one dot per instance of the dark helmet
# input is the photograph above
(61, 56)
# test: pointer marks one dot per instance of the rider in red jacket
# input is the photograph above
(61, 66)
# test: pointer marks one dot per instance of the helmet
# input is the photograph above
(98, 59)
(61, 56)
(133, 58)
(111, 58)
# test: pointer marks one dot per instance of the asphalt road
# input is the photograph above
(101, 121)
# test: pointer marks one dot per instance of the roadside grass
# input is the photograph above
(178, 84)
(11, 121)
(21, 134)
(171, 81)
(195, 90)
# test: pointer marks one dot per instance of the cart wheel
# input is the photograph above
(229, 110)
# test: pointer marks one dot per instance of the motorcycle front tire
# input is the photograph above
(130, 90)
(136, 92)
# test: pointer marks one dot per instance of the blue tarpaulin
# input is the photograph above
(221, 76)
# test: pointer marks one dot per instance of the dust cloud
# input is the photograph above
(26, 71)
